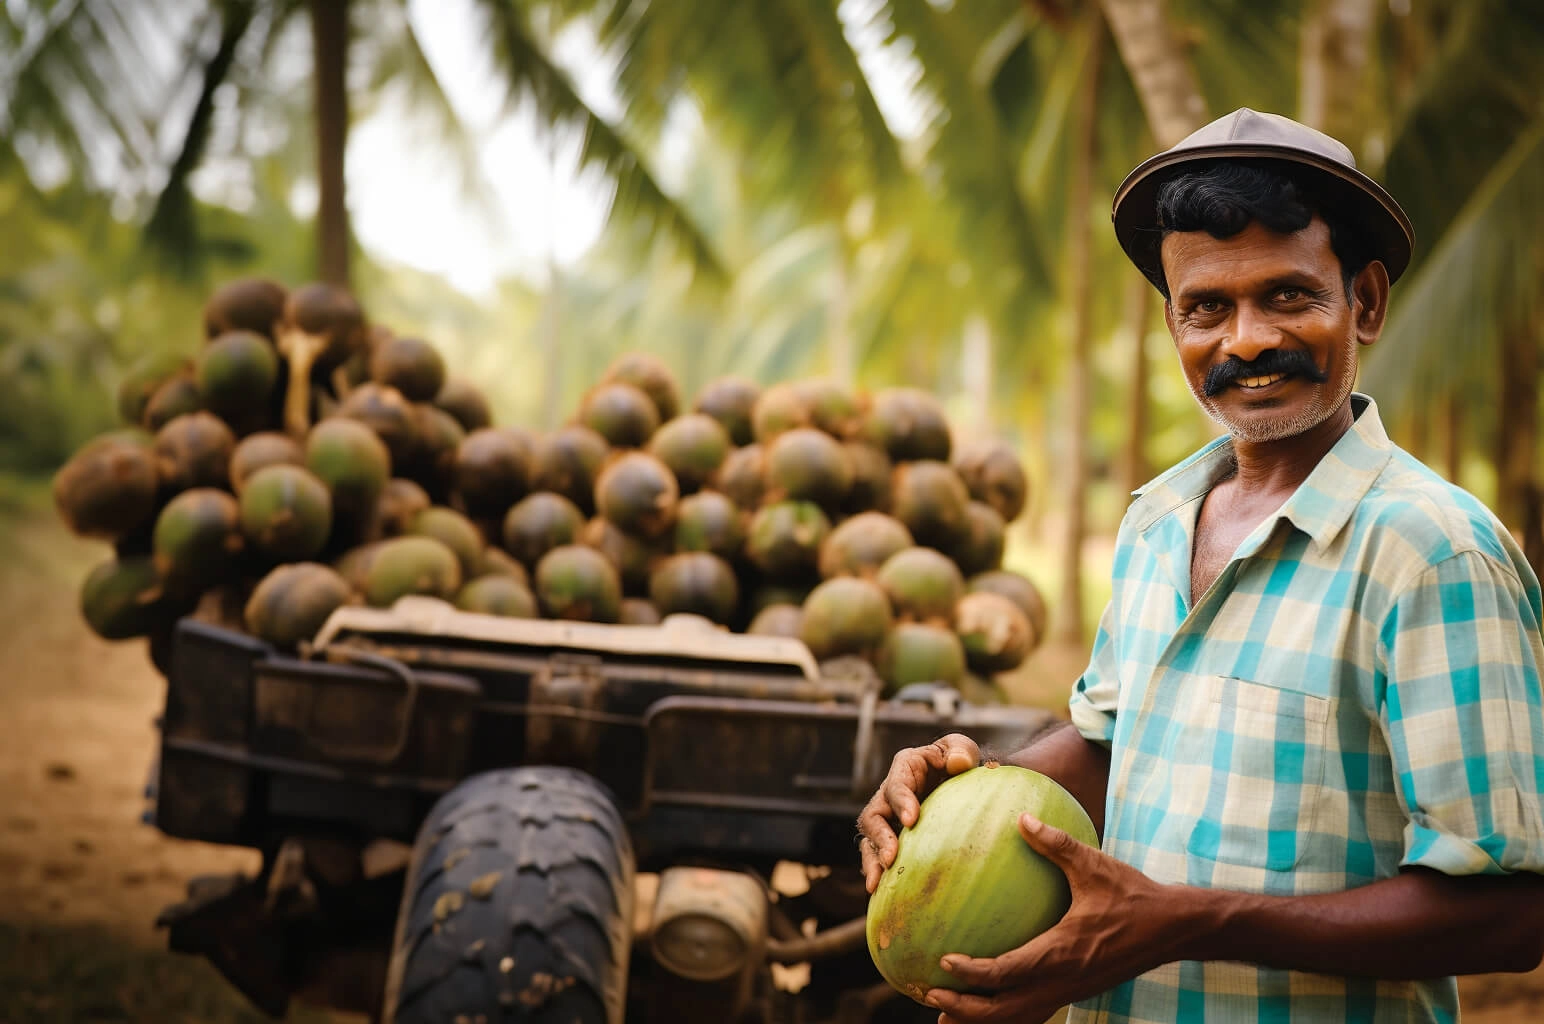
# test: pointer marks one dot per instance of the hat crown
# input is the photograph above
(1254, 128)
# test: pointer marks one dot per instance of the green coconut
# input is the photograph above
(620, 413)
(917, 652)
(143, 378)
(495, 561)
(354, 564)
(979, 548)
(293, 602)
(632, 556)
(107, 490)
(779, 408)
(265, 448)
(538, 523)
(926, 906)
(498, 595)
(765, 595)
(1021, 591)
(638, 612)
(433, 463)
(411, 565)
(398, 505)
(194, 451)
(236, 374)
(930, 498)
(125, 598)
(871, 471)
(353, 462)
(245, 304)
(695, 583)
(286, 513)
(785, 620)
(176, 396)
(576, 582)
(731, 400)
(493, 470)
(709, 521)
(995, 632)
(387, 412)
(805, 464)
(568, 461)
(411, 365)
(784, 538)
(455, 531)
(860, 545)
(846, 615)
(992, 474)
(832, 408)
(197, 539)
(693, 446)
(908, 424)
(743, 476)
(923, 585)
(638, 493)
(466, 402)
(650, 375)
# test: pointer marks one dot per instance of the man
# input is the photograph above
(1310, 730)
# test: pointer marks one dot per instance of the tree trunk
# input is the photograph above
(1159, 67)
(1453, 437)
(976, 374)
(329, 42)
(1135, 470)
(1080, 296)
(1516, 422)
(1333, 60)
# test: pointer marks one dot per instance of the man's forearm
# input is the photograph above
(1078, 766)
(1419, 924)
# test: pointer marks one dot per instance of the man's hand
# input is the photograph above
(1121, 924)
(914, 773)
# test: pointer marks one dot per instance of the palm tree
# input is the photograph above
(83, 80)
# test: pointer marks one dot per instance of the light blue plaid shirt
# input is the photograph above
(1358, 691)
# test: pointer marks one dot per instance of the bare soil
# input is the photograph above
(82, 877)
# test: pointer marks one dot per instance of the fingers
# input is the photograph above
(1000, 972)
(959, 1008)
(1050, 841)
(912, 773)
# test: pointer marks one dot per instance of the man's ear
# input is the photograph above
(1370, 301)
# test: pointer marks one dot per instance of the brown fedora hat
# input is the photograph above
(1323, 164)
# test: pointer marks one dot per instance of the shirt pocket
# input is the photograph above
(1267, 760)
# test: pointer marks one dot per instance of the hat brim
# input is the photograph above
(1348, 191)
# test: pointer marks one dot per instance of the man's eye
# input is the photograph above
(1209, 306)
(1290, 294)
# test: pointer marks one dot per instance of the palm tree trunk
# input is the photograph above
(1080, 296)
(1333, 59)
(1453, 437)
(1159, 67)
(1517, 420)
(329, 42)
(1135, 470)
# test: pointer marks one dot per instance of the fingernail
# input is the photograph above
(931, 1000)
(1030, 822)
(948, 963)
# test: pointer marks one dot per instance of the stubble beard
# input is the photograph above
(1262, 430)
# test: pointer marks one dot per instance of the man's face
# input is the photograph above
(1265, 334)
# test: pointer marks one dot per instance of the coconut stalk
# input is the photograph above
(1069, 627)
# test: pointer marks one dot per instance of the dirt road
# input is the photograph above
(81, 878)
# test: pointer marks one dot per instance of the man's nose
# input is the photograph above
(1250, 333)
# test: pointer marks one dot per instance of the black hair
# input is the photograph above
(1223, 198)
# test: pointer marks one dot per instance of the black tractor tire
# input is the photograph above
(517, 906)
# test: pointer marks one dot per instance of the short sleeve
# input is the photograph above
(1461, 706)
(1092, 705)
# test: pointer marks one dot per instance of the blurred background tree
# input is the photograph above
(883, 191)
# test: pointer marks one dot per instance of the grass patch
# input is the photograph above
(54, 975)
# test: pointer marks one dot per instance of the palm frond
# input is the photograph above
(1485, 277)
(527, 70)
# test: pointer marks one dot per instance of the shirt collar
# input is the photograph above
(1322, 503)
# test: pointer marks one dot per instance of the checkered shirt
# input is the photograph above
(1357, 692)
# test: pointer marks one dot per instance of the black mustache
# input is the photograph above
(1292, 362)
